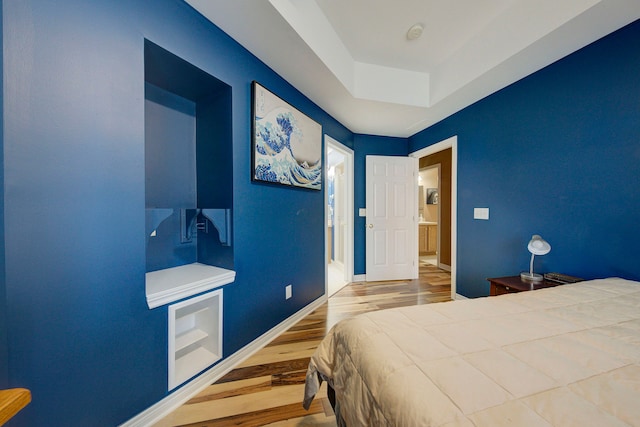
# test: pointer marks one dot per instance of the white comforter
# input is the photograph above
(563, 356)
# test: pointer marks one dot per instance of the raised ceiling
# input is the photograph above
(353, 58)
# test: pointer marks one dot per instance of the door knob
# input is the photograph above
(370, 225)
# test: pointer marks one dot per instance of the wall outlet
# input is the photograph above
(288, 292)
(481, 213)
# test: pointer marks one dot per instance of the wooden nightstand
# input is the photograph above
(12, 401)
(511, 284)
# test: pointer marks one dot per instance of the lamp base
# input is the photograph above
(531, 277)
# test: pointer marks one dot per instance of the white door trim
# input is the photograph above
(452, 143)
(349, 217)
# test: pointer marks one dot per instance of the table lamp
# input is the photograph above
(537, 246)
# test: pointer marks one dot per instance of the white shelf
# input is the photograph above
(173, 284)
(190, 337)
(195, 336)
(192, 363)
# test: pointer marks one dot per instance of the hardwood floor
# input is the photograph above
(267, 389)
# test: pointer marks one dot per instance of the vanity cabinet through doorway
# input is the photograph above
(427, 239)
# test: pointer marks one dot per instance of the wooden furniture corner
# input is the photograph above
(12, 401)
(512, 284)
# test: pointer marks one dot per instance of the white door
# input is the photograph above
(391, 211)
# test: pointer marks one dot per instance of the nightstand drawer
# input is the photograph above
(498, 289)
(512, 284)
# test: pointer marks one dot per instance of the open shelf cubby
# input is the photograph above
(188, 179)
(195, 336)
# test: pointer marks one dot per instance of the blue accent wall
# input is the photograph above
(555, 154)
(4, 349)
(364, 145)
(81, 336)
(170, 155)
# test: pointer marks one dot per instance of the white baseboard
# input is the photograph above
(359, 277)
(164, 407)
(459, 297)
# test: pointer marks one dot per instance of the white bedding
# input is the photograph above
(563, 356)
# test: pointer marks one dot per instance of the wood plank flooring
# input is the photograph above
(267, 389)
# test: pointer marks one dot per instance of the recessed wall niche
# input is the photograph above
(188, 178)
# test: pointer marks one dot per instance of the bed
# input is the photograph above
(563, 356)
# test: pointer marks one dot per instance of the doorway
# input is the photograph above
(339, 215)
(446, 150)
(429, 214)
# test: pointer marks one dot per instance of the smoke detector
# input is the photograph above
(415, 32)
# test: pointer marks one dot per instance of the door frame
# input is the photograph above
(347, 152)
(452, 143)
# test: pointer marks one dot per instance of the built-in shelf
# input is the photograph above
(173, 284)
(195, 336)
(188, 145)
(192, 363)
(191, 337)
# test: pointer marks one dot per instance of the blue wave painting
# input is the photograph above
(287, 143)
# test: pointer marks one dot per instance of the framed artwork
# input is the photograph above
(432, 196)
(286, 144)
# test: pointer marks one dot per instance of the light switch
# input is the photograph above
(362, 212)
(480, 213)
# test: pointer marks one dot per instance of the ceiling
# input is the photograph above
(354, 60)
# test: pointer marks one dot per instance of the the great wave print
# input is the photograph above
(287, 144)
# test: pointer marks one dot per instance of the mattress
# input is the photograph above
(563, 356)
